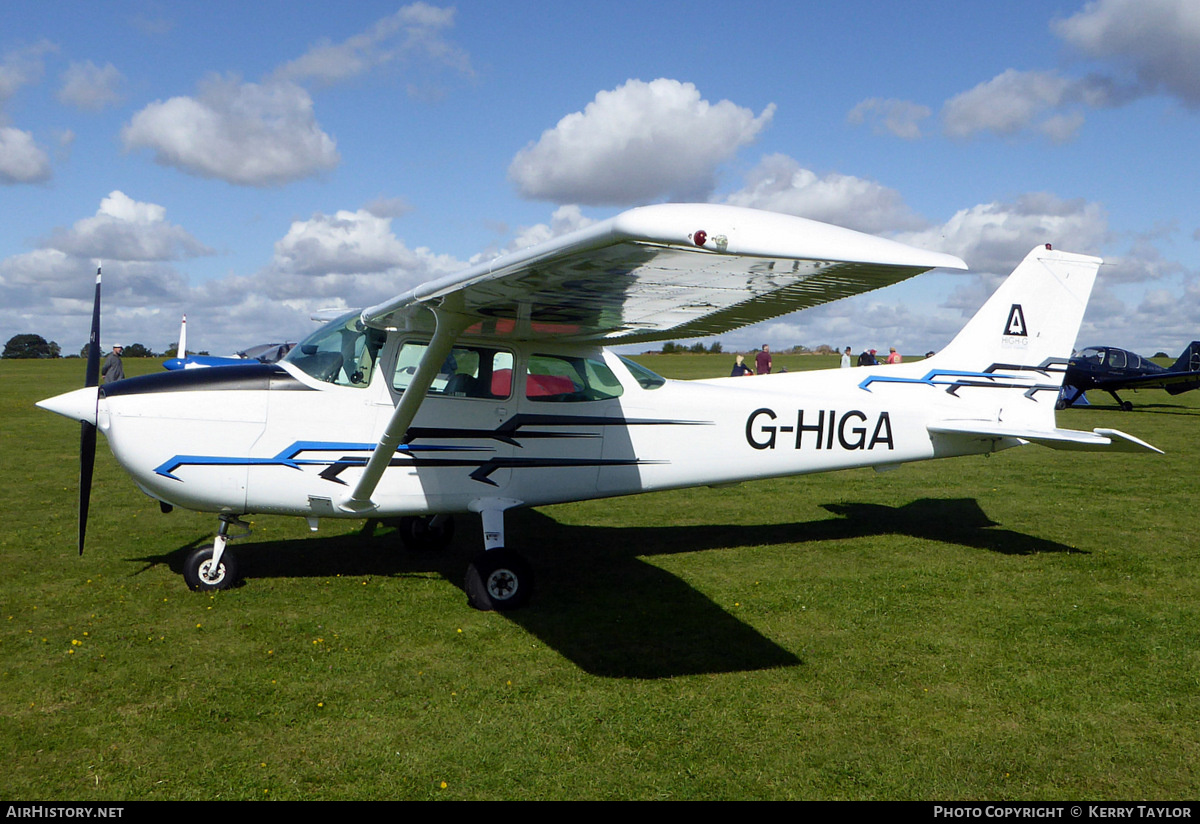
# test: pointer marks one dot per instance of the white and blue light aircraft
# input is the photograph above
(492, 388)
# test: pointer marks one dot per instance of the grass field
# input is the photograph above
(1023, 626)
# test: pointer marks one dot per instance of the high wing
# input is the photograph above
(660, 272)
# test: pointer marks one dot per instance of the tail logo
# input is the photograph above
(1016, 322)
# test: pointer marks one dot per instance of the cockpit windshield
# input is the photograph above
(343, 351)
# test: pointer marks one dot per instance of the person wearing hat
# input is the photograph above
(113, 369)
(893, 355)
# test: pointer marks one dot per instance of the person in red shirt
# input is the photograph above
(762, 361)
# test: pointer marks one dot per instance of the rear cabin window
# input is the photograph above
(467, 372)
(560, 379)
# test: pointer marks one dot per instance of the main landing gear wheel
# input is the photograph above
(201, 575)
(498, 579)
(1126, 406)
(426, 533)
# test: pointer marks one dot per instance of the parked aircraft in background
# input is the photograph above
(491, 389)
(263, 353)
(1111, 369)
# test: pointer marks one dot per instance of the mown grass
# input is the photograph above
(1016, 627)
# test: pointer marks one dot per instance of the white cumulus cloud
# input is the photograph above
(91, 87)
(342, 243)
(636, 143)
(348, 254)
(21, 159)
(994, 237)
(1014, 101)
(251, 134)
(127, 230)
(414, 31)
(779, 184)
(1158, 39)
(901, 118)
(21, 67)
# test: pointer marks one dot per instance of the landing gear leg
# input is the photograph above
(1126, 406)
(497, 578)
(215, 567)
(425, 533)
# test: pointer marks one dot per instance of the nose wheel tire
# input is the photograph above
(498, 579)
(201, 575)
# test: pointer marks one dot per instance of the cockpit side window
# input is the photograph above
(342, 352)
(558, 378)
(467, 372)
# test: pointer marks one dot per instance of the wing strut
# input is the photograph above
(448, 327)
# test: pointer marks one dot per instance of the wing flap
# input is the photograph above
(672, 270)
(1110, 440)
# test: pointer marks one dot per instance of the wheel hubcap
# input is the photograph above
(212, 575)
(502, 584)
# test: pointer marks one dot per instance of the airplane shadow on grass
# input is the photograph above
(599, 605)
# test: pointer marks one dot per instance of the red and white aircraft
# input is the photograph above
(492, 388)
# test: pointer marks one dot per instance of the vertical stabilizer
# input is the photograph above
(1189, 361)
(1009, 360)
(1032, 320)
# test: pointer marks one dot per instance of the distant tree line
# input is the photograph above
(672, 348)
(31, 346)
(35, 346)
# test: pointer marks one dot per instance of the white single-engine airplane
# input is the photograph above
(491, 389)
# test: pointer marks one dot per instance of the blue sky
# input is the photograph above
(249, 163)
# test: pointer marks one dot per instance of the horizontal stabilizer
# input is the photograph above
(1111, 440)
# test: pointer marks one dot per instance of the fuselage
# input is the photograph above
(1097, 365)
(533, 423)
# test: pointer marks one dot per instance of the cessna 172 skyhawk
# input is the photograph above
(492, 389)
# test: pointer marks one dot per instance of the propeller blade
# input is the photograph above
(87, 460)
(87, 432)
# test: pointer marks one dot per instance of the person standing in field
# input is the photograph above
(113, 369)
(762, 361)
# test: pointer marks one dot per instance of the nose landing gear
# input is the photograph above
(214, 567)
